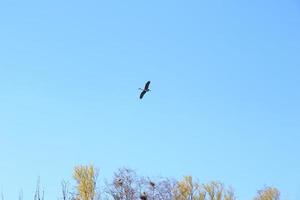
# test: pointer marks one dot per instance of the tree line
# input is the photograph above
(126, 184)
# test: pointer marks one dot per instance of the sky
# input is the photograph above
(224, 104)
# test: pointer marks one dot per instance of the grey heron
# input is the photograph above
(145, 90)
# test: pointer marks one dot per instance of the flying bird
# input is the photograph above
(145, 90)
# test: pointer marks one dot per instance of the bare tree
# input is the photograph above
(38, 194)
(65, 190)
(125, 185)
(159, 189)
(21, 195)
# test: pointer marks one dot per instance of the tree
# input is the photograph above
(38, 194)
(188, 189)
(217, 191)
(268, 193)
(125, 185)
(161, 189)
(66, 194)
(86, 179)
(21, 195)
(128, 185)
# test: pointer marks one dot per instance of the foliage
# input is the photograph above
(188, 189)
(86, 179)
(126, 184)
(268, 193)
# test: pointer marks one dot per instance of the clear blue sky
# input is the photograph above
(224, 103)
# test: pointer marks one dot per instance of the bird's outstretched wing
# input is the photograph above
(147, 85)
(142, 94)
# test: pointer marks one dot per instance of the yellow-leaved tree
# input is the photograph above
(268, 193)
(217, 191)
(187, 189)
(86, 179)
